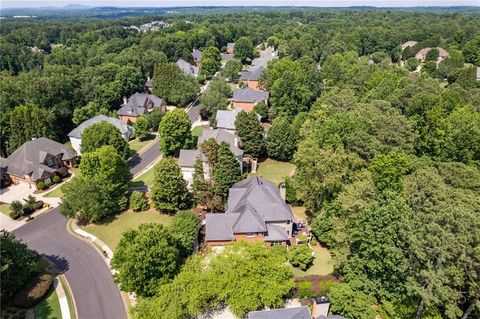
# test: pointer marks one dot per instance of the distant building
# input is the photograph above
(76, 134)
(408, 44)
(266, 56)
(38, 160)
(247, 98)
(422, 54)
(197, 57)
(285, 313)
(256, 211)
(226, 119)
(230, 48)
(187, 68)
(139, 104)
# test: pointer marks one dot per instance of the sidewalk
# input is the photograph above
(59, 289)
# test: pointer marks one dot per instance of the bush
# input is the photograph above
(16, 209)
(41, 185)
(33, 292)
(14, 214)
(138, 202)
(301, 256)
(280, 251)
(56, 179)
(305, 290)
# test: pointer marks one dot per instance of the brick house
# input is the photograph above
(38, 160)
(256, 211)
(247, 98)
(139, 104)
(197, 57)
(250, 78)
(230, 48)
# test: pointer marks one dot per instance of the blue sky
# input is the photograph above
(318, 3)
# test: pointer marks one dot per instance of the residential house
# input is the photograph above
(409, 44)
(197, 57)
(38, 160)
(247, 98)
(256, 211)
(4, 179)
(226, 119)
(226, 57)
(250, 78)
(187, 158)
(187, 68)
(148, 85)
(230, 48)
(266, 56)
(285, 313)
(422, 54)
(76, 134)
(139, 104)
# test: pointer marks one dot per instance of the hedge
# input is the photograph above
(34, 291)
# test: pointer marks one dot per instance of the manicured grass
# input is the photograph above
(274, 171)
(68, 293)
(57, 192)
(49, 307)
(197, 131)
(5, 209)
(322, 265)
(146, 179)
(136, 144)
(111, 231)
(299, 211)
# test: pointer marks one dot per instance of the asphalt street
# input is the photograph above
(96, 295)
(142, 161)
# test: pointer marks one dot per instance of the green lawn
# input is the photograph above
(57, 192)
(136, 145)
(197, 131)
(49, 307)
(146, 179)
(110, 232)
(274, 171)
(5, 209)
(322, 265)
(299, 211)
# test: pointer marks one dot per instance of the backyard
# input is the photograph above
(111, 231)
(273, 170)
(322, 265)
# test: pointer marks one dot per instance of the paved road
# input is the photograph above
(95, 294)
(140, 162)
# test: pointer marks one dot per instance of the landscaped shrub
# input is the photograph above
(33, 292)
(56, 179)
(138, 202)
(301, 256)
(14, 215)
(41, 185)
(16, 209)
(305, 289)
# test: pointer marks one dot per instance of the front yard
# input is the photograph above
(145, 179)
(57, 192)
(273, 170)
(136, 145)
(49, 307)
(5, 209)
(322, 265)
(110, 232)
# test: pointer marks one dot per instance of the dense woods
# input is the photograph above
(387, 158)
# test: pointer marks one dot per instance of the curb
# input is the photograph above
(146, 147)
(148, 167)
(72, 227)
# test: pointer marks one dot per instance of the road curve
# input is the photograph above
(142, 161)
(96, 295)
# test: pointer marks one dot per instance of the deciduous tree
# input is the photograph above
(175, 132)
(103, 133)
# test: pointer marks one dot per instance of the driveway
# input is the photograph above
(142, 161)
(96, 296)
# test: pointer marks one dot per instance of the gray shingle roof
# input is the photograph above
(187, 158)
(28, 159)
(226, 56)
(187, 68)
(252, 204)
(230, 45)
(249, 95)
(122, 127)
(286, 313)
(197, 55)
(139, 103)
(266, 56)
(220, 136)
(226, 119)
(252, 75)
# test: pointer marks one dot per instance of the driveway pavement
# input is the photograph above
(96, 295)
(142, 161)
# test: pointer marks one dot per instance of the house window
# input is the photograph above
(250, 234)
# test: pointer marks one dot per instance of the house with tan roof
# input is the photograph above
(408, 44)
(422, 54)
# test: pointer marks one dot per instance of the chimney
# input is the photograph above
(125, 100)
(235, 141)
(321, 305)
(283, 191)
(34, 137)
